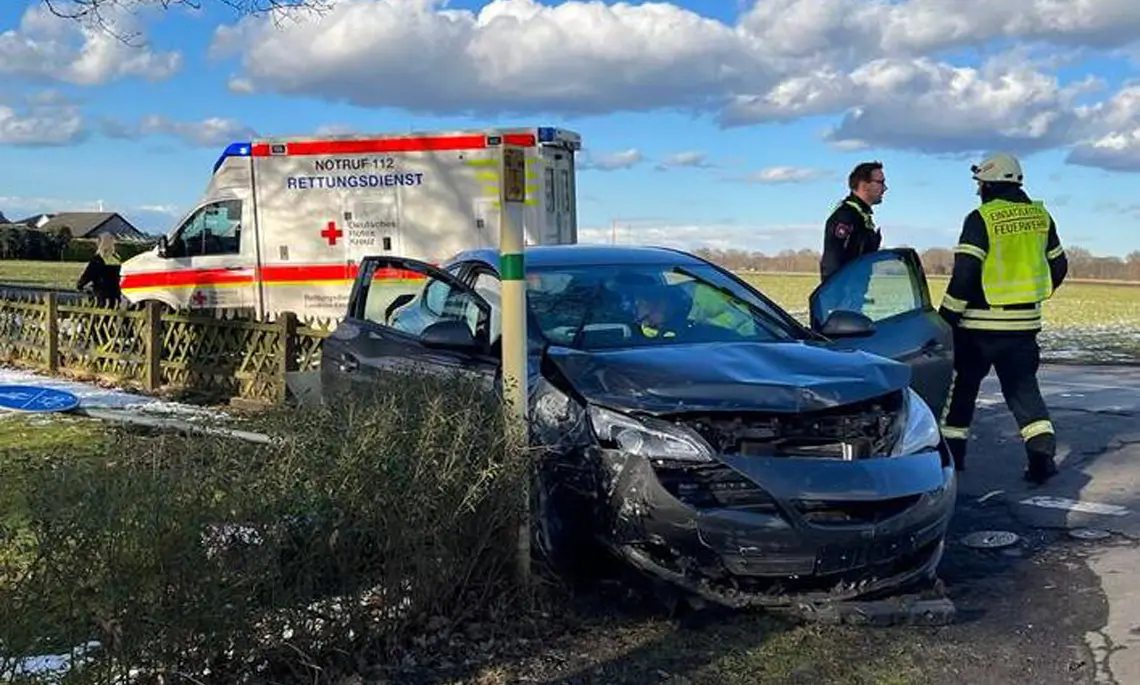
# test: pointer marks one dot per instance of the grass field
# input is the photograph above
(1086, 321)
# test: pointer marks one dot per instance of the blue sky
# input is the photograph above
(705, 123)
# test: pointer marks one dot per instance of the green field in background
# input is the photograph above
(1088, 321)
(41, 274)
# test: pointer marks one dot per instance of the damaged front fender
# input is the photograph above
(714, 531)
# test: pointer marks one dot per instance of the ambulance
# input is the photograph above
(284, 222)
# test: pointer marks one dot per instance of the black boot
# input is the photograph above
(1041, 469)
(958, 453)
(1040, 452)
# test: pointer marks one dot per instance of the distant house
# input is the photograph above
(92, 225)
(35, 221)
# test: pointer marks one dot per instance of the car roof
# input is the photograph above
(541, 256)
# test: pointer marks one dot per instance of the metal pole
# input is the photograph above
(513, 275)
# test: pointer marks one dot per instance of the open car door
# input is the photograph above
(405, 314)
(889, 288)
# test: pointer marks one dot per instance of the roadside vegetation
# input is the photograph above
(214, 560)
(373, 543)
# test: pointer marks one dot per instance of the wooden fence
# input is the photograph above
(156, 351)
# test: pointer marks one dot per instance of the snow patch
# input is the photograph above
(92, 396)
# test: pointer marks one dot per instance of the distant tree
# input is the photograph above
(100, 13)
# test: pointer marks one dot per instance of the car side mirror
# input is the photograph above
(843, 323)
(451, 334)
(400, 301)
(162, 246)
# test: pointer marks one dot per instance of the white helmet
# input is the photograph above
(1000, 167)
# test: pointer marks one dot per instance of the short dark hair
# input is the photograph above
(862, 173)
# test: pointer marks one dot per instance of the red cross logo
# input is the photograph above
(331, 233)
(199, 298)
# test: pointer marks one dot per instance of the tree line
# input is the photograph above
(936, 261)
(23, 243)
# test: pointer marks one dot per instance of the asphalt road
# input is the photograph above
(1061, 604)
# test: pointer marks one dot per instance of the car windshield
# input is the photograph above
(610, 306)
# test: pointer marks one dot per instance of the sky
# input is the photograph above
(705, 123)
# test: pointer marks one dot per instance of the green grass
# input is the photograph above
(40, 274)
(1085, 321)
(28, 442)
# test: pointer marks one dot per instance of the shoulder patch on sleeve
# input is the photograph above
(842, 230)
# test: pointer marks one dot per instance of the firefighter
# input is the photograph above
(850, 230)
(1008, 261)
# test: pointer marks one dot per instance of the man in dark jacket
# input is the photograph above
(850, 231)
(1008, 261)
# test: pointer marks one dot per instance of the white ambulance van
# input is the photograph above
(284, 223)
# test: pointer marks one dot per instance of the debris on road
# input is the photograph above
(990, 539)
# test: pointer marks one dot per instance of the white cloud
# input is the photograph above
(785, 174)
(1110, 133)
(691, 159)
(513, 55)
(45, 119)
(334, 130)
(47, 47)
(209, 132)
(625, 159)
(1115, 152)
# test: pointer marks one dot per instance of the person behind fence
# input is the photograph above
(1008, 261)
(102, 272)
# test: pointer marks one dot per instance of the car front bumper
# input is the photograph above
(780, 531)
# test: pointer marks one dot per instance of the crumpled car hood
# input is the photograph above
(772, 377)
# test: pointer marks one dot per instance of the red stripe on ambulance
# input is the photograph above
(180, 278)
(270, 275)
(378, 145)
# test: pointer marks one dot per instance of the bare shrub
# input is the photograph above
(369, 518)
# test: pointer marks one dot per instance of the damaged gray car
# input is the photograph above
(690, 425)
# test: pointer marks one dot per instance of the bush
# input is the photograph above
(24, 243)
(218, 561)
(82, 250)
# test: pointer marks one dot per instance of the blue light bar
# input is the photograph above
(546, 134)
(233, 150)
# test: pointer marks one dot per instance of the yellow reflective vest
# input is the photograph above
(1015, 269)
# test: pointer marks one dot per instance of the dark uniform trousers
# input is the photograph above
(1002, 338)
(1015, 358)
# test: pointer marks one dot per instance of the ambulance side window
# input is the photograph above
(214, 229)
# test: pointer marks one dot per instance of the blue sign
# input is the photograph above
(30, 398)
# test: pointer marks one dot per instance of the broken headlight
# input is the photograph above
(916, 427)
(648, 438)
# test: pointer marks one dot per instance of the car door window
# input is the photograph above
(880, 286)
(215, 229)
(429, 300)
(423, 301)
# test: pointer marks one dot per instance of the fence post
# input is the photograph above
(152, 329)
(52, 324)
(286, 351)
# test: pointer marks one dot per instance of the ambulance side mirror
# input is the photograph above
(161, 247)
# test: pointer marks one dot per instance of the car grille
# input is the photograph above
(844, 512)
(714, 486)
(852, 431)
